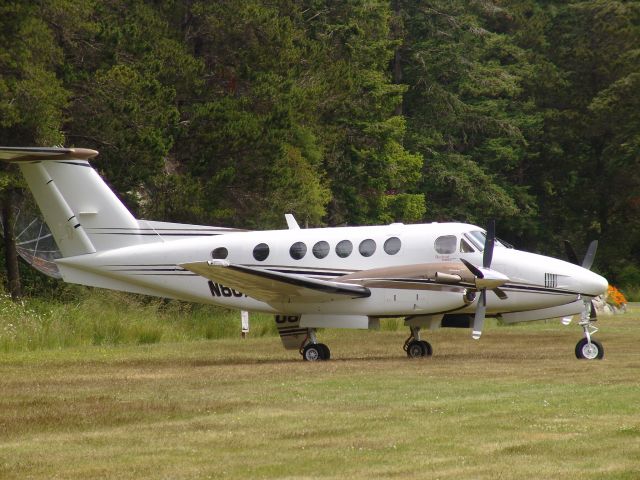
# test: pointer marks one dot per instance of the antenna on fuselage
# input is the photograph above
(291, 222)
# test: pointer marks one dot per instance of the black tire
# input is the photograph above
(427, 348)
(313, 352)
(416, 349)
(586, 352)
(326, 353)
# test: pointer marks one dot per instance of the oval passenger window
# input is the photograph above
(321, 249)
(220, 253)
(261, 252)
(298, 250)
(392, 245)
(344, 248)
(367, 247)
(446, 244)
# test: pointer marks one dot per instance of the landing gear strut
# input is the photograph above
(587, 348)
(312, 351)
(415, 347)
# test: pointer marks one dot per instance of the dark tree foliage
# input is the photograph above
(367, 111)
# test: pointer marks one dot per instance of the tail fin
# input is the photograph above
(80, 209)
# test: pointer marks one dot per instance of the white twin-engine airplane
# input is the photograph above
(434, 275)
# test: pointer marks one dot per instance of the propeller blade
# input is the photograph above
(472, 268)
(590, 255)
(478, 320)
(487, 254)
(571, 253)
(490, 279)
(500, 293)
(566, 320)
(593, 314)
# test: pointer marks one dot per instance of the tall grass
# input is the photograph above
(81, 316)
(101, 317)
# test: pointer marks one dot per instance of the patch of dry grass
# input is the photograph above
(516, 404)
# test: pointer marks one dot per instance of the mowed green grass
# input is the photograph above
(517, 404)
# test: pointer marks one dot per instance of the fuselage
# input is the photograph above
(535, 281)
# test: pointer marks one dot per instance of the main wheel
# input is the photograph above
(427, 348)
(416, 349)
(326, 353)
(314, 352)
(587, 351)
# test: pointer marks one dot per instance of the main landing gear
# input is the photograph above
(587, 348)
(415, 347)
(312, 351)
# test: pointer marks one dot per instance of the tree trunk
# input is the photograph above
(10, 252)
(397, 58)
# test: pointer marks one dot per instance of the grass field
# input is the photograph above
(515, 405)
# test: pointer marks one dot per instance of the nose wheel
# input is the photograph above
(587, 348)
(415, 347)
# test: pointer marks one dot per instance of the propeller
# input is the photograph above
(589, 257)
(485, 278)
(587, 262)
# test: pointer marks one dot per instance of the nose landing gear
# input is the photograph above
(587, 348)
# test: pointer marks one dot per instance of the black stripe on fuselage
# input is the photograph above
(182, 229)
(300, 269)
(311, 273)
(148, 270)
(159, 234)
(506, 287)
(184, 274)
(77, 164)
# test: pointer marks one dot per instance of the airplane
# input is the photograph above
(434, 275)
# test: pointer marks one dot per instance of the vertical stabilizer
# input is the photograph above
(82, 212)
(65, 227)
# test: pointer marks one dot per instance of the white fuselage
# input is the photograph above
(535, 281)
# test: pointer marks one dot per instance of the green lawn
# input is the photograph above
(517, 404)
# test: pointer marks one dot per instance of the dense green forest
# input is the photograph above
(357, 112)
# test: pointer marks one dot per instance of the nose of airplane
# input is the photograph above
(592, 284)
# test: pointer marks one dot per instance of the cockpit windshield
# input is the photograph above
(478, 238)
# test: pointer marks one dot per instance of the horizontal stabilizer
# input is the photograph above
(34, 154)
(274, 287)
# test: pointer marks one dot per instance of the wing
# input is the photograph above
(270, 286)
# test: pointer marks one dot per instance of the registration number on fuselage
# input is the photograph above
(219, 290)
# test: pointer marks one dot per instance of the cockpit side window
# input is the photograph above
(478, 238)
(446, 244)
(465, 247)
